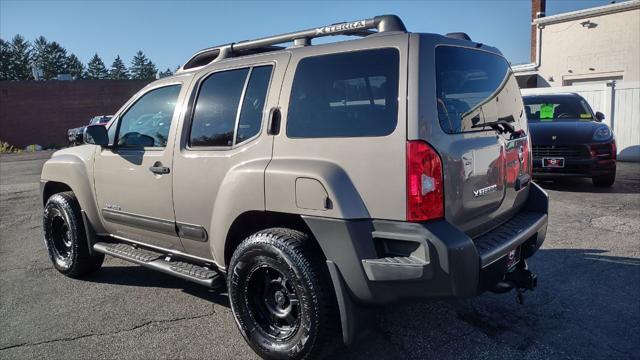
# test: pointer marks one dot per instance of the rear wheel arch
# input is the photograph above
(250, 222)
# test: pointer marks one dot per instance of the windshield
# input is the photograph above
(557, 109)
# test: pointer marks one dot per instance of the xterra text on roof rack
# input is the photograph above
(311, 181)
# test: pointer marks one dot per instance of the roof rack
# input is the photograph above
(383, 23)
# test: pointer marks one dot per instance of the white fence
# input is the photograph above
(619, 101)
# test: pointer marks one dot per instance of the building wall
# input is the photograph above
(40, 112)
(608, 49)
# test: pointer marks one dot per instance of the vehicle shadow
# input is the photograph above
(580, 185)
(139, 276)
(585, 305)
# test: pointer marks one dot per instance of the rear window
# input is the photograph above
(474, 88)
(345, 95)
(557, 108)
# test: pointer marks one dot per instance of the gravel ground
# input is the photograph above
(586, 305)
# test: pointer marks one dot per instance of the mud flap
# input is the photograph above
(355, 319)
(88, 232)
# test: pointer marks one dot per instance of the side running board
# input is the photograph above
(163, 263)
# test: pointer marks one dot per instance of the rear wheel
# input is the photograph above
(281, 295)
(65, 237)
(604, 180)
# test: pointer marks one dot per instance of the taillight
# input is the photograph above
(425, 199)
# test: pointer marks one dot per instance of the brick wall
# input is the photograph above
(40, 112)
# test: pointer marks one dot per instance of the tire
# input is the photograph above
(604, 180)
(65, 238)
(281, 295)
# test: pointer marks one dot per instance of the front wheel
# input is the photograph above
(65, 237)
(281, 295)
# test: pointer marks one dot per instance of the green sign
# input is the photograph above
(546, 112)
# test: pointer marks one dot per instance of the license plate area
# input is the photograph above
(553, 162)
(512, 258)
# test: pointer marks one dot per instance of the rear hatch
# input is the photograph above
(471, 113)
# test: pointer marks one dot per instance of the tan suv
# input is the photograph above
(311, 180)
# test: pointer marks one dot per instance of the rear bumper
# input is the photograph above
(386, 261)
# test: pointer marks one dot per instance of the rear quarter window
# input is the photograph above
(350, 94)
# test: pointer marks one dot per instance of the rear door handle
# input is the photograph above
(158, 169)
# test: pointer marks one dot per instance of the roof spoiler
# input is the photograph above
(459, 36)
(383, 23)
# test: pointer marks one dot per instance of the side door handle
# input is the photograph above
(273, 127)
(158, 169)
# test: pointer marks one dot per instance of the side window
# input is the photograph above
(214, 118)
(253, 103)
(216, 110)
(147, 122)
(345, 95)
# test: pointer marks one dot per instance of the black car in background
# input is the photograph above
(75, 135)
(569, 139)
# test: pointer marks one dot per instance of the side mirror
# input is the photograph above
(96, 135)
(79, 137)
(599, 116)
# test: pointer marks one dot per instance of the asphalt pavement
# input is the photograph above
(587, 304)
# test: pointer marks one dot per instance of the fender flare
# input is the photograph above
(75, 171)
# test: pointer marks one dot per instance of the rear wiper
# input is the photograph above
(502, 125)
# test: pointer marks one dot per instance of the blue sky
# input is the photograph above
(170, 31)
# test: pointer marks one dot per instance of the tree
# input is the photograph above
(96, 68)
(75, 66)
(142, 68)
(56, 61)
(18, 59)
(118, 70)
(165, 73)
(5, 53)
(39, 52)
(50, 57)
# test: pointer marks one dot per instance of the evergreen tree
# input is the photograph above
(142, 68)
(50, 57)
(96, 69)
(18, 59)
(165, 73)
(118, 70)
(75, 67)
(56, 61)
(137, 65)
(39, 53)
(4, 60)
(150, 70)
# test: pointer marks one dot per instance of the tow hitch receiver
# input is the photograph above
(520, 279)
